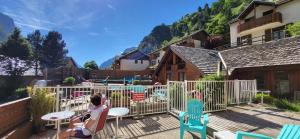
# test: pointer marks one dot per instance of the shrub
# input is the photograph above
(211, 88)
(69, 80)
(267, 98)
(136, 82)
(117, 95)
(142, 82)
(285, 104)
(294, 29)
(213, 77)
(41, 103)
(21, 93)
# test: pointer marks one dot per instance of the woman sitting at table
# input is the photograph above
(86, 115)
(90, 124)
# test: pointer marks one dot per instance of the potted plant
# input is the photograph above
(41, 103)
(69, 81)
(119, 100)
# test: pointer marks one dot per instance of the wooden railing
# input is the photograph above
(271, 18)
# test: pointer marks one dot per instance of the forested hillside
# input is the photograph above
(213, 19)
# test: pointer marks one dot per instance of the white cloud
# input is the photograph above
(55, 14)
(35, 27)
(111, 7)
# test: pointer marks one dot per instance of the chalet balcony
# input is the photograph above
(267, 19)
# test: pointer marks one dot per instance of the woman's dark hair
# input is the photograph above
(96, 99)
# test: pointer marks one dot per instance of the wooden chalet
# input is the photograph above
(186, 63)
(275, 65)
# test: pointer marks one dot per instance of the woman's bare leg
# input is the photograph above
(73, 121)
(66, 134)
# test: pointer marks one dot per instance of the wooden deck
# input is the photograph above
(244, 118)
(252, 118)
(159, 126)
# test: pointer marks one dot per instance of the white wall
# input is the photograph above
(290, 11)
(233, 32)
(290, 14)
(197, 43)
(126, 64)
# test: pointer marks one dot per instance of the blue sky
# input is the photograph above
(97, 29)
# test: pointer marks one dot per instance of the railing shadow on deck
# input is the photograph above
(251, 120)
(271, 112)
(149, 125)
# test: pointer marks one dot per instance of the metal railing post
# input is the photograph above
(168, 96)
(225, 92)
(185, 94)
(57, 102)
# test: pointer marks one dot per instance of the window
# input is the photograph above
(181, 76)
(153, 62)
(169, 76)
(278, 33)
(246, 40)
(141, 61)
(267, 12)
(136, 61)
(260, 80)
(282, 84)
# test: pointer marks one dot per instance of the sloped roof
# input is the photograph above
(249, 8)
(193, 34)
(135, 55)
(72, 60)
(254, 3)
(280, 52)
(203, 59)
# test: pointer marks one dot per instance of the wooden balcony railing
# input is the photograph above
(271, 18)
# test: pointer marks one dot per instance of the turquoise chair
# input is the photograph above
(194, 115)
(287, 132)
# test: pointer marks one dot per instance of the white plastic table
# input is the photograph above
(224, 135)
(57, 117)
(118, 112)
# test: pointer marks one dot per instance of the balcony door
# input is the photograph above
(282, 84)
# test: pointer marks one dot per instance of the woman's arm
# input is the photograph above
(88, 123)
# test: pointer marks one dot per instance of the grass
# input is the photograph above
(278, 103)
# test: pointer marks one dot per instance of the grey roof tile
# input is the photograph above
(279, 52)
(204, 59)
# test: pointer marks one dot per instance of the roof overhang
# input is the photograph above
(252, 5)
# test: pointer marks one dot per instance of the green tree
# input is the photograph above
(54, 50)
(90, 65)
(294, 29)
(15, 59)
(36, 40)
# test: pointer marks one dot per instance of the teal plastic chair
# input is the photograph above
(194, 114)
(287, 132)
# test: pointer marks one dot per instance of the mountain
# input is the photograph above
(213, 19)
(107, 64)
(6, 26)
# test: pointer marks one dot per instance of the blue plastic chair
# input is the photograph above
(287, 132)
(194, 115)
